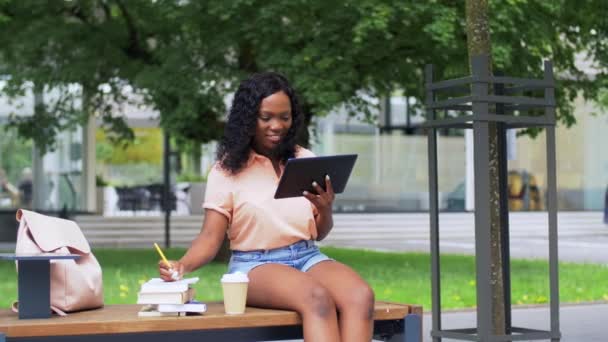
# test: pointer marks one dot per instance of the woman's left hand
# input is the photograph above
(325, 198)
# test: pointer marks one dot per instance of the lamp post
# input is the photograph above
(166, 202)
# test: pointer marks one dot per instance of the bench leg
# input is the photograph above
(34, 289)
(412, 330)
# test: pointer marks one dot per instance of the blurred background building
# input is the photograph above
(86, 173)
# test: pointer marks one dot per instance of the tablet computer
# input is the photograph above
(299, 174)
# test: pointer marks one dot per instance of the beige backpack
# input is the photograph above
(75, 284)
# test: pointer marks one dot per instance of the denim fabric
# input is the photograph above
(301, 255)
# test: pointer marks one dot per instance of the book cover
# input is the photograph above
(152, 311)
(191, 306)
(165, 297)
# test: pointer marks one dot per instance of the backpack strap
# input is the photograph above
(58, 312)
(15, 309)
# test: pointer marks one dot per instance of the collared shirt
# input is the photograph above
(257, 220)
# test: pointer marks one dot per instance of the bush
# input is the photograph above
(190, 177)
(100, 181)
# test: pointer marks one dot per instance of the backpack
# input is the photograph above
(75, 284)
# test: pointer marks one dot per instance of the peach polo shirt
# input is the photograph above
(257, 220)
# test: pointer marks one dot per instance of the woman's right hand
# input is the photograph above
(166, 272)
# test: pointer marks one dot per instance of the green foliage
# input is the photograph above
(147, 147)
(103, 149)
(100, 181)
(132, 174)
(191, 177)
(15, 153)
(587, 29)
(182, 58)
(603, 98)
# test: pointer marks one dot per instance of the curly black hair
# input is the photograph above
(235, 145)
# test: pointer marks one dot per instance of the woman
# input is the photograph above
(272, 240)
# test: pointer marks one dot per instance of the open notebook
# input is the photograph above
(156, 285)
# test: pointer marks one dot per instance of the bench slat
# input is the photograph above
(114, 319)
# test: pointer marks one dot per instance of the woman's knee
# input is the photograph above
(360, 302)
(318, 301)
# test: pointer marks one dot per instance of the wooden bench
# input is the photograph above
(120, 323)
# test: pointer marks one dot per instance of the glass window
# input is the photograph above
(58, 181)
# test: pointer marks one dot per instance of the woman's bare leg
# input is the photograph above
(353, 297)
(282, 287)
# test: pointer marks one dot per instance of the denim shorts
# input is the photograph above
(301, 255)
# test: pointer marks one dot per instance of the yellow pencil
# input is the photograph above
(162, 255)
(174, 273)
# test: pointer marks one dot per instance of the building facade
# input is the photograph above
(390, 173)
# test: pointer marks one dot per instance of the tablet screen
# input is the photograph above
(299, 174)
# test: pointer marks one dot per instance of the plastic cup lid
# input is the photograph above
(236, 277)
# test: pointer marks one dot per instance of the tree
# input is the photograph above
(576, 28)
(479, 44)
(184, 57)
(585, 27)
(105, 48)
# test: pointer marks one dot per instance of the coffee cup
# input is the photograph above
(234, 286)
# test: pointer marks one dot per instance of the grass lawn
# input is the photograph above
(400, 277)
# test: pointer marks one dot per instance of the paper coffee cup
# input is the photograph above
(234, 286)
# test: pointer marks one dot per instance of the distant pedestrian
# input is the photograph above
(26, 188)
(9, 189)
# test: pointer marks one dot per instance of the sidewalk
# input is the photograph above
(578, 322)
(582, 236)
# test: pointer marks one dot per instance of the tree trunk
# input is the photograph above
(479, 43)
(194, 161)
(303, 136)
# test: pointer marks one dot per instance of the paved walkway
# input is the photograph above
(578, 323)
(582, 236)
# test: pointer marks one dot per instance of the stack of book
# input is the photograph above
(161, 298)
